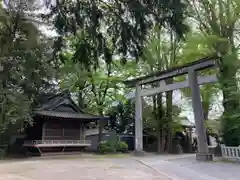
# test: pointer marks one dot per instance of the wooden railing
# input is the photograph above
(38, 142)
(231, 153)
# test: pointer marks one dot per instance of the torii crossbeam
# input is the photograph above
(193, 81)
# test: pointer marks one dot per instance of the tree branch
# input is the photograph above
(109, 67)
(93, 89)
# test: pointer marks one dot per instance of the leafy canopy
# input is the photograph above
(117, 27)
(25, 66)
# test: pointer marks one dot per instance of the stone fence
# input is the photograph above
(230, 152)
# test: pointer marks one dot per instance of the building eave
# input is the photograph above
(69, 115)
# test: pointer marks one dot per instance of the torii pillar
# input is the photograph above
(203, 153)
(138, 123)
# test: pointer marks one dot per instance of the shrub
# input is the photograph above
(111, 147)
(2, 153)
(106, 147)
(121, 146)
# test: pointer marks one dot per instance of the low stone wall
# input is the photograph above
(230, 152)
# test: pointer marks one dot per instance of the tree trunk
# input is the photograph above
(228, 66)
(169, 95)
(100, 126)
(160, 131)
(156, 119)
(231, 104)
(229, 88)
(81, 100)
(206, 105)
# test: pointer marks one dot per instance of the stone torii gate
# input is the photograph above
(193, 81)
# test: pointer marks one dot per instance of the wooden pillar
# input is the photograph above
(190, 139)
(80, 131)
(43, 130)
(138, 122)
(203, 153)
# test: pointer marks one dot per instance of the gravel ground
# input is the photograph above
(153, 167)
(83, 169)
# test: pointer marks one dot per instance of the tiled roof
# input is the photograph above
(62, 105)
(70, 115)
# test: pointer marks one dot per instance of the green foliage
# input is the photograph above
(25, 67)
(231, 129)
(214, 127)
(106, 147)
(162, 49)
(222, 22)
(177, 125)
(121, 146)
(99, 88)
(15, 112)
(2, 153)
(122, 117)
(112, 147)
(199, 45)
(25, 60)
(126, 26)
(150, 123)
(14, 22)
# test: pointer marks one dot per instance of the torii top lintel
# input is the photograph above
(204, 63)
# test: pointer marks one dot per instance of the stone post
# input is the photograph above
(203, 154)
(190, 139)
(138, 122)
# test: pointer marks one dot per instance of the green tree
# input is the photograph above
(110, 28)
(161, 54)
(123, 117)
(222, 22)
(25, 67)
(99, 88)
(197, 46)
(73, 78)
